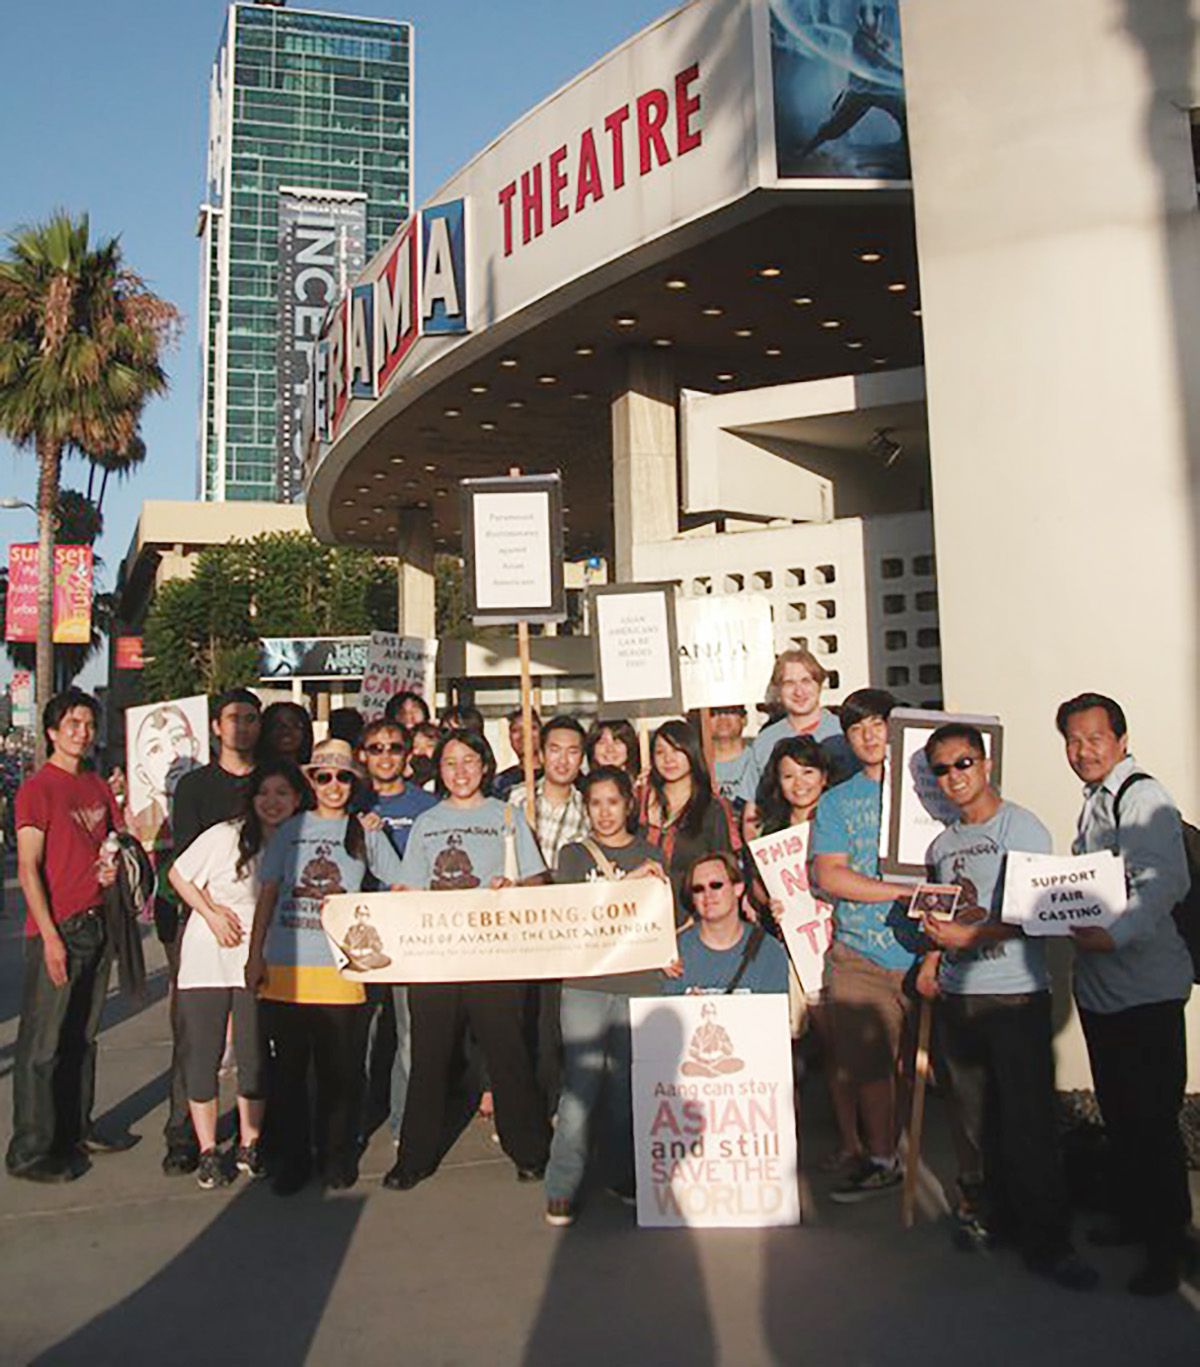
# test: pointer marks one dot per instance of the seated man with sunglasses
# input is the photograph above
(993, 1017)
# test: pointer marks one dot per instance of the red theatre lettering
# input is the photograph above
(652, 119)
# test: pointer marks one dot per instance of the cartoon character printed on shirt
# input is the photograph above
(452, 868)
(320, 877)
(970, 911)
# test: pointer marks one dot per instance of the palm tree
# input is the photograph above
(80, 344)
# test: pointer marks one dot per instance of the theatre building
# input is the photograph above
(904, 343)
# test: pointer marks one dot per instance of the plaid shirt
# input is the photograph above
(554, 824)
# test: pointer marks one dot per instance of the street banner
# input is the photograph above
(714, 1122)
(22, 697)
(726, 649)
(807, 924)
(397, 664)
(513, 549)
(1049, 894)
(563, 930)
(915, 811)
(72, 594)
(635, 649)
(128, 651)
(163, 741)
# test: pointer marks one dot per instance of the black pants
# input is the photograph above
(54, 1072)
(1139, 1069)
(204, 1014)
(333, 1039)
(997, 1051)
(495, 1013)
(178, 1130)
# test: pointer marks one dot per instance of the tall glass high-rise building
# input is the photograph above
(309, 173)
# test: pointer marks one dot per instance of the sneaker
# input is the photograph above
(560, 1212)
(866, 1180)
(210, 1171)
(249, 1160)
(180, 1160)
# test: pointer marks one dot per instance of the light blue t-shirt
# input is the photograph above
(973, 856)
(731, 773)
(712, 970)
(827, 734)
(847, 822)
(398, 811)
(453, 849)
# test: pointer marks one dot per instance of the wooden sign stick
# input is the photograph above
(912, 1159)
(644, 744)
(526, 713)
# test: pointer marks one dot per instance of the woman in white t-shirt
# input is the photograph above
(217, 877)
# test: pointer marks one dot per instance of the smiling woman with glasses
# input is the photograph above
(314, 1016)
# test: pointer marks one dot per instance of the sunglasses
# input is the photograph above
(961, 763)
(698, 888)
(393, 747)
(326, 776)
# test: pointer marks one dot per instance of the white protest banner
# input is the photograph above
(564, 930)
(714, 1122)
(914, 811)
(397, 664)
(726, 649)
(637, 657)
(163, 741)
(807, 924)
(1049, 894)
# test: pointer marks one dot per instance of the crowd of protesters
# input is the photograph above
(276, 823)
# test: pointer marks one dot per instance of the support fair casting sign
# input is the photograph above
(714, 1122)
(1052, 894)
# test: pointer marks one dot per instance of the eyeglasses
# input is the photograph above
(962, 762)
(698, 888)
(393, 747)
(326, 776)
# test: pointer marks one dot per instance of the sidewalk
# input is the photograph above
(127, 1265)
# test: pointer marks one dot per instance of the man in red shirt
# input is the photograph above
(63, 814)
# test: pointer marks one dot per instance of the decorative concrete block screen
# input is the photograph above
(860, 593)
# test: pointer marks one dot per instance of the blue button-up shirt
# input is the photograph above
(1151, 962)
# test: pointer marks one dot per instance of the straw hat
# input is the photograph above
(333, 754)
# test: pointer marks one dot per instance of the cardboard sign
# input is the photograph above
(564, 930)
(914, 811)
(726, 649)
(1052, 894)
(163, 741)
(714, 1122)
(636, 652)
(807, 924)
(513, 549)
(397, 664)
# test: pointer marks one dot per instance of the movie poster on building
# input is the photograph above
(513, 544)
(726, 649)
(322, 247)
(807, 925)
(1054, 894)
(838, 90)
(72, 594)
(714, 1121)
(636, 650)
(313, 657)
(397, 664)
(914, 809)
(477, 934)
(163, 741)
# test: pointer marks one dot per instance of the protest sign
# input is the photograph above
(714, 1122)
(513, 549)
(807, 924)
(636, 652)
(163, 741)
(397, 664)
(726, 649)
(1048, 894)
(563, 930)
(914, 811)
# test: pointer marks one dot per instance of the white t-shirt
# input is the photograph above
(210, 862)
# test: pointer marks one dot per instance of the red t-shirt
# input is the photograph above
(74, 812)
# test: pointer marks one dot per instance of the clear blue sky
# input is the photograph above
(104, 108)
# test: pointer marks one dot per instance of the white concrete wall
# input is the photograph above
(1059, 252)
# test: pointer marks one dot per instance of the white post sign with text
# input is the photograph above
(807, 924)
(1052, 894)
(726, 649)
(713, 1115)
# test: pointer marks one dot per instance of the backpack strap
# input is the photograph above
(601, 860)
(1121, 791)
(753, 945)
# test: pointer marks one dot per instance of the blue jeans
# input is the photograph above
(402, 1062)
(597, 1058)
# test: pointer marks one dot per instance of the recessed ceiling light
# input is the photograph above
(830, 323)
(626, 320)
(855, 344)
(377, 510)
(433, 522)
(364, 521)
(802, 300)
(743, 332)
(916, 313)
(488, 426)
(662, 341)
(879, 360)
(773, 351)
(581, 394)
(479, 389)
(349, 502)
(362, 488)
(397, 460)
(770, 272)
(452, 412)
(441, 493)
(870, 257)
(585, 351)
(547, 379)
(508, 362)
(410, 483)
(676, 283)
(725, 376)
(712, 311)
(897, 287)
(515, 403)
(431, 468)
(379, 474)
